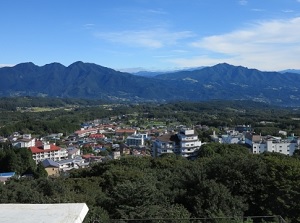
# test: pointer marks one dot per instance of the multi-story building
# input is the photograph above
(232, 137)
(24, 142)
(260, 144)
(189, 143)
(274, 144)
(44, 150)
(163, 145)
(184, 143)
(136, 140)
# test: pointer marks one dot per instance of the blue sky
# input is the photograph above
(152, 34)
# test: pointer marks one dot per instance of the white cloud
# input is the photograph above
(146, 38)
(267, 45)
(243, 2)
(88, 25)
(257, 10)
(287, 11)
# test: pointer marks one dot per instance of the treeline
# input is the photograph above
(19, 160)
(12, 103)
(264, 119)
(225, 181)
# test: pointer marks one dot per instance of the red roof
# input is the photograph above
(97, 136)
(125, 131)
(39, 149)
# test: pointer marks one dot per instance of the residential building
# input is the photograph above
(184, 143)
(86, 132)
(260, 144)
(136, 140)
(76, 163)
(189, 143)
(276, 144)
(73, 152)
(24, 142)
(116, 154)
(125, 132)
(243, 128)
(231, 137)
(163, 145)
(251, 138)
(51, 167)
(44, 150)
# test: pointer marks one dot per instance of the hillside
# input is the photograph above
(92, 81)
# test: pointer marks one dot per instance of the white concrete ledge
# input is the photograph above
(43, 213)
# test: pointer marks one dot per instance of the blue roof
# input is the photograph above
(7, 174)
(49, 162)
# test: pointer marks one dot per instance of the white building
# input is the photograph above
(44, 150)
(163, 145)
(24, 142)
(189, 143)
(185, 143)
(231, 137)
(275, 144)
(136, 140)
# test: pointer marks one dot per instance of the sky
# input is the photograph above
(132, 35)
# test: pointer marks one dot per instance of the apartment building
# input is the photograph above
(44, 150)
(136, 140)
(189, 143)
(276, 144)
(260, 144)
(184, 143)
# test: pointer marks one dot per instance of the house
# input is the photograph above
(86, 132)
(68, 164)
(243, 128)
(116, 154)
(44, 150)
(124, 149)
(73, 152)
(24, 142)
(51, 167)
(163, 145)
(3, 139)
(97, 136)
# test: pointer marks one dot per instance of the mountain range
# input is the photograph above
(92, 81)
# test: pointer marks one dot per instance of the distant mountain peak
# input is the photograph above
(88, 80)
(25, 64)
(77, 63)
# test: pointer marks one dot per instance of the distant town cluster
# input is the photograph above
(102, 140)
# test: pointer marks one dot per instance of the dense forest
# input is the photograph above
(225, 181)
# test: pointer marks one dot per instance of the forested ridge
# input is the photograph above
(226, 180)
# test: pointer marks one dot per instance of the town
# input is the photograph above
(102, 140)
(146, 161)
